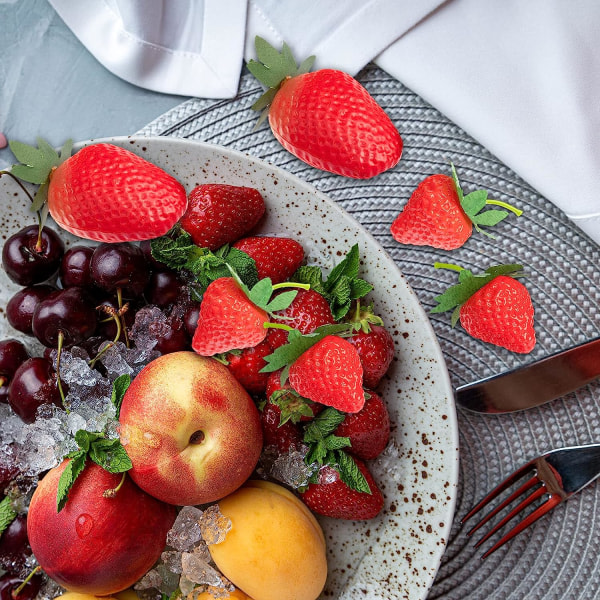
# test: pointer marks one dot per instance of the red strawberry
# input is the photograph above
(492, 307)
(245, 366)
(276, 257)
(284, 437)
(228, 319)
(331, 497)
(307, 311)
(368, 429)
(219, 214)
(325, 118)
(501, 313)
(293, 407)
(330, 373)
(104, 192)
(438, 214)
(376, 351)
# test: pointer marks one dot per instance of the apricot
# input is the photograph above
(235, 595)
(275, 549)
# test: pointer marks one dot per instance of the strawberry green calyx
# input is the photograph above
(473, 204)
(272, 68)
(291, 404)
(468, 283)
(363, 317)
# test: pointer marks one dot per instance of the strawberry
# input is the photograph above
(219, 214)
(492, 307)
(438, 214)
(374, 344)
(283, 436)
(293, 407)
(368, 429)
(276, 257)
(325, 118)
(332, 497)
(103, 192)
(307, 311)
(228, 319)
(330, 373)
(245, 367)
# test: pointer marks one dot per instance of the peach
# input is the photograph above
(275, 549)
(191, 430)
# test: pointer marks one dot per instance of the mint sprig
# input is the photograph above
(341, 286)
(120, 386)
(7, 514)
(326, 448)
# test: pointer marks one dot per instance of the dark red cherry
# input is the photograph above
(9, 584)
(120, 266)
(75, 266)
(33, 385)
(164, 288)
(12, 355)
(190, 319)
(14, 546)
(8, 471)
(20, 308)
(147, 252)
(27, 259)
(70, 311)
(173, 341)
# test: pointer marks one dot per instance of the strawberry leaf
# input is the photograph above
(7, 514)
(474, 202)
(490, 217)
(37, 163)
(73, 469)
(281, 301)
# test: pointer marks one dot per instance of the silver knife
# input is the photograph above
(534, 384)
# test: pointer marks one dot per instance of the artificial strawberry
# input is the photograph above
(330, 373)
(276, 257)
(293, 407)
(235, 317)
(493, 307)
(219, 214)
(307, 311)
(325, 118)
(246, 364)
(438, 214)
(332, 497)
(368, 430)
(374, 344)
(283, 436)
(103, 192)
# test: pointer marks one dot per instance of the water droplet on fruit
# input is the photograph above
(84, 525)
(152, 440)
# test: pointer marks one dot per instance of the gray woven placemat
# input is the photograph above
(557, 557)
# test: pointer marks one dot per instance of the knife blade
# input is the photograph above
(534, 384)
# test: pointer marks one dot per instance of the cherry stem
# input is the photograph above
(513, 209)
(117, 320)
(61, 339)
(269, 325)
(27, 579)
(123, 324)
(19, 183)
(304, 286)
(3, 380)
(112, 492)
(449, 266)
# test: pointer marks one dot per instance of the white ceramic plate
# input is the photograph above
(397, 554)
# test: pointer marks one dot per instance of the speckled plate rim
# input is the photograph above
(388, 566)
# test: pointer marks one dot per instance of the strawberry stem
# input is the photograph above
(513, 209)
(269, 325)
(448, 266)
(292, 284)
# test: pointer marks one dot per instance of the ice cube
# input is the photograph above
(186, 585)
(152, 579)
(149, 326)
(170, 580)
(389, 460)
(291, 469)
(172, 560)
(199, 571)
(186, 531)
(214, 525)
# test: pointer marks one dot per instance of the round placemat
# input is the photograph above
(557, 557)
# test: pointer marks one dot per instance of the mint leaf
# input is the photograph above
(7, 514)
(311, 275)
(120, 385)
(111, 456)
(350, 474)
(298, 344)
(323, 424)
(67, 478)
(85, 439)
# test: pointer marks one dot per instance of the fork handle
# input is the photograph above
(583, 466)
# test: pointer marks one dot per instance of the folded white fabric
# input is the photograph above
(523, 78)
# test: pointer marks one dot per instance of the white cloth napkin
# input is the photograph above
(523, 78)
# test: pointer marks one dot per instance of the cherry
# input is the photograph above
(9, 584)
(147, 252)
(8, 472)
(75, 266)
(29, 257)
(70, 312)
(173, 341)
(120, 268)
(20, 308)
(164, 288)
(12, 355)
(14, 546)
(34, 384)
(190, 318)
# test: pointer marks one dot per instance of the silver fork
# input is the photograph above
(558, 474)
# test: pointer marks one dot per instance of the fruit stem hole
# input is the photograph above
(197, 437)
